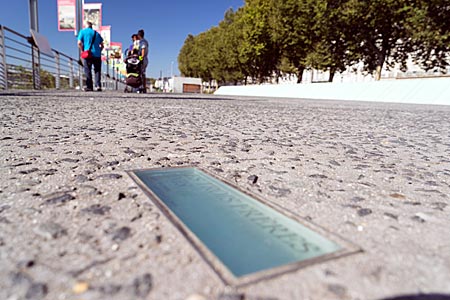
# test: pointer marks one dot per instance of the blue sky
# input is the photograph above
(166, 24)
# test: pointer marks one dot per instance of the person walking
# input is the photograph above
(143, 55)
(90, 40)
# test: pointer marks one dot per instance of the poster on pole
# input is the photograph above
(105, 32)
(66, 15)
(92, 12)
(116, 51)
(115, 56)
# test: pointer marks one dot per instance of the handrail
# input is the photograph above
(19, 43)
(16, 50)
(15, 32)
(21, 60)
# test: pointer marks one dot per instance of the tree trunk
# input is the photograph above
(379, 67)
(332, 73)
(300, 74)
(378, 73)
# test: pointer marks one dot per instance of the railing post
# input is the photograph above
(36, 67)
(80, 76)
(117, 79)
(3, 65)
(71, 75)
(113, 74)
(58, 71)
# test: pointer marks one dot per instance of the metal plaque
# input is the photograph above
(243, 238)
(42, 43)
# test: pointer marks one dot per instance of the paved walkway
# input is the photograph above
(73, 225)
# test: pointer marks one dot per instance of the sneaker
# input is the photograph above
(88, 90)
(99, 89)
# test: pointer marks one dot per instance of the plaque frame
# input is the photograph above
(226, 276)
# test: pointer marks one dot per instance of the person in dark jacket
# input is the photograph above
(143, 55)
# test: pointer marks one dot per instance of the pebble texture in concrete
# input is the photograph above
(73, 225)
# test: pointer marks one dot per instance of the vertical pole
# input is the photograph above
(58, 71)
(107, 63)
(71, 75)
(79, 16)
(117, 79)
(79, 23)
(114, 69)
(80, 77)
(3, 65)
(34, 25)
(78, 28)
(34, 20)
(35, 58)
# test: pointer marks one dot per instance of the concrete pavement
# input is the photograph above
(73, 225)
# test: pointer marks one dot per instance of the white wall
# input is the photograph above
(420, 91)
(179, 81)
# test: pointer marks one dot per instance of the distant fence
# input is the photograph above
(23, 66)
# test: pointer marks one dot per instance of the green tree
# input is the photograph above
(284, 67)
(200, 55)
(334, 48)
(274, 37)
(381, 31)
(430, 27)
(229, 67)
(204, 51)
(186, 57)
(48, 81)
(191, 59)
(258, 51)
(295, 31)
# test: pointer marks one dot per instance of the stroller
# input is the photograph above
(134, 81)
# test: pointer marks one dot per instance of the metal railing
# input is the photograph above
(23, 66)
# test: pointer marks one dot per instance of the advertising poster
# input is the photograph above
(115, 51)
(92, 12)
(105, 32)
(66, 15)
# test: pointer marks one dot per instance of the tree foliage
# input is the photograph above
(430, 27)
(266, 39)
(257, 50)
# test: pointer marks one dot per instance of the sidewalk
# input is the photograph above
(73, 225)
